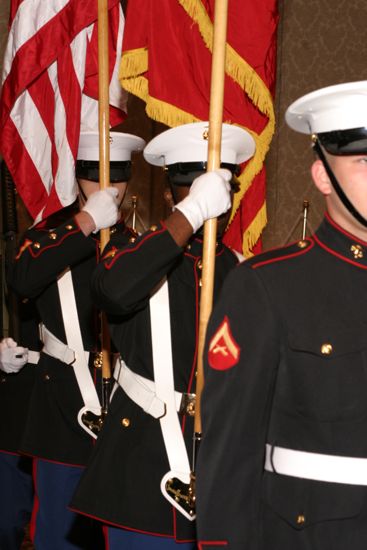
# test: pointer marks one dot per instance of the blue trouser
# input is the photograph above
(16, 496)
(122, 539)
(55, 526)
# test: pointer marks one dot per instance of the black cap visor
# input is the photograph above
(184, 173)
(89, 170)
(345, 142)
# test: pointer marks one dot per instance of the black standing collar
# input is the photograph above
(341, 243)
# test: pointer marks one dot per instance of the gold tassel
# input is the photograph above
(133, 63)
(253, 232)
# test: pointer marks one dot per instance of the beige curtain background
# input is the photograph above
(320, 42)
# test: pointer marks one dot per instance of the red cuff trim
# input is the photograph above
(56, 244)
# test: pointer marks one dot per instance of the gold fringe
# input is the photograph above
(253, 232)
(236, 66)
(133, 63)
(248, 79)
(168, 114)
(254, 165)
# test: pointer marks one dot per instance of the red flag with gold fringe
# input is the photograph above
(166, 62)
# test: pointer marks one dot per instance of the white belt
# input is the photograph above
(54, 347)
(75, 342)
(315, 466)
(163, 375)
(142, 391)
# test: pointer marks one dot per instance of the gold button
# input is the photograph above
(190, 409)
(69, 227)
(154, 227)
(326, 349)
(37, 245)
(53, 236)
(357, 251)
(302, 244)
(113, 230)
(200, 282)
(300, 519)
(132, 239)
(188, 247)
(125, 422)
(200, 264)
(98, 360)
(46, 377)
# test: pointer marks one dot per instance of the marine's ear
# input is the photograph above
(321, 178)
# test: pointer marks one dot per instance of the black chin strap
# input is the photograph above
(82, 192)
(339, 191)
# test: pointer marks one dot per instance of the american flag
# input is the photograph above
(50, 93)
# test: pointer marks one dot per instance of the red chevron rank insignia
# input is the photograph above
(224, 352)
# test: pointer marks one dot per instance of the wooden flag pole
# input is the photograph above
(210, 226)
(104, 168)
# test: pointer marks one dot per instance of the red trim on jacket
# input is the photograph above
(344, 231)
(203, 543)
(286, 257)
(57, 243)
(13, 453)
(110, 523)
(35, 457)
(128, 250)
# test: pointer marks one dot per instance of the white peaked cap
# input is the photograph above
(189, 143)
(339, 107)
(121, 146)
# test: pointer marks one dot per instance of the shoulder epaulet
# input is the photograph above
(279, 254)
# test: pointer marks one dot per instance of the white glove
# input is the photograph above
(209, 197)
(12, 356)
(102, 206)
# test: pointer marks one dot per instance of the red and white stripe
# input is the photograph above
(50, 93)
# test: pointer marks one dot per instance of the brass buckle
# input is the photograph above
(93, 421)
(183, 493)
(187, 405)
